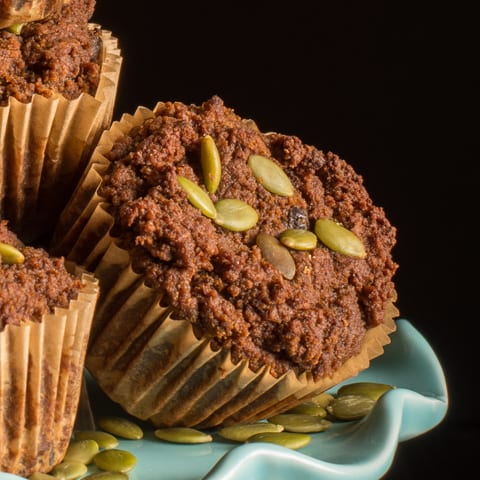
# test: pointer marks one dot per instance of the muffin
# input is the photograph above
(45, 318)
(58, 82)
(241, 272)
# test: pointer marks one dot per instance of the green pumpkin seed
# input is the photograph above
(182, 435)
(103, 439)
(350, 407)
(270, 175)
(81, 451)
(276, 254)
(241, 433)
(16, 28)
(107, 476)
(10, 255)
(309, 408)
(121, 427)
(115, 460)
(322, 399)
(371, 390)
(210, 162)
(339, 239)
(235, 215)
(197, 197)
(69, 470)
(301, 423)
(285, 439)
(41, 476)
(298, 239)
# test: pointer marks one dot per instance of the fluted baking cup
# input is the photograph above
(41, 370)
(45, 145)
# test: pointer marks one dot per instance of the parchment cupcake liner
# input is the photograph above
(41, 371)
(152, 364)
(45, 145)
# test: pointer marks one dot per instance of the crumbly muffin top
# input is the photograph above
(59, 54)
(218, 279)
(35, 287)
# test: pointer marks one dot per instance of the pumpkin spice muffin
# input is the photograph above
(58, 81)
(241, 272)
(45, 318)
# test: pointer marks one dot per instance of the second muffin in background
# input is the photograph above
(214, 309)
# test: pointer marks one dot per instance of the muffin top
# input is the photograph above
(230, 281)
(58, 54)
(33, 284)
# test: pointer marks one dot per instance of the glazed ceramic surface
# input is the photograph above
(363, 450)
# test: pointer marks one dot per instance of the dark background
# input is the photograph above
(388, 86)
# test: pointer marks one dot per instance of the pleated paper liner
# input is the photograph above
(41, 371)
(45, 145)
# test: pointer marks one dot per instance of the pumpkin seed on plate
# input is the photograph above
(10, 255)
(81, 451)
(107, 475)
(242, 432)
(103, 439)
(339, 239)
(182, 435)
(210, 162)
(285, 439)
(300, 422)
(69, 470)
(41, 476)
(298, 239)
(235, 215)
(115, 460)
(197, 197)
(309, 408)
(276, 254)
(270, 175)
(371, 390)
(121, 427)
(350, 407)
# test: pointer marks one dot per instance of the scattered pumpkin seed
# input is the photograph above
(298, 239)
(107, 475)
(309, 408)
(285, 439)
(371, 390)
(270, 175)
(235, 215)
(81, 451)
(276, 254)
(350, 407)
(115, 460)
(10, 255)
(210, 162)
(103, 439)
(339, 239)
(197, 197)
(121, 427)
(241, 433)
(182, 435)
(322, 399)
(300, 422)
(69, 470)
(41, 476)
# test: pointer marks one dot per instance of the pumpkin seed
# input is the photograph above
(121, 427)
(106, 475)
(10, 255)
(16, 28)
(298, 239)
(339, 239)
(285, 439)
(270, 175)
(115, 460)
(300, 422)
(103, 439)
(371, 390)
(235, 215)
(309, 408)
(210, 162)
(242, 432)
(182, 435)
(276, 254)
(69, 470)
(350, 407)
(322, 399)
(41, 476)
(81, 451)
(197, 197)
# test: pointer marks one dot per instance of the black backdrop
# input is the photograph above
(388, 86)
